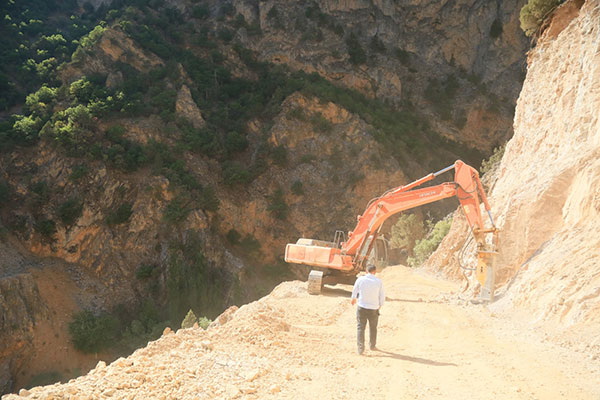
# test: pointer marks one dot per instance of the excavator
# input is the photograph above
(341, 260)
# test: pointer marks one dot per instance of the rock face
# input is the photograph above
(546, 196)
(411, 45)
(21, 308)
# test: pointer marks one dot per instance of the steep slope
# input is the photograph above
(291, 345)
(545, 193)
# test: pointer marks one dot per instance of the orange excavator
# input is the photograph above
(341, 260)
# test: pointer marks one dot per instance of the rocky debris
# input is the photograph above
(186, 107)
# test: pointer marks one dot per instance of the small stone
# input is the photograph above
(167, 331)
(207, 345)
(288, 376)
(252, 375)
(24, 393)
(249, 390)
(275, 389)
(196, 326)
(101, 365)
(108, 392)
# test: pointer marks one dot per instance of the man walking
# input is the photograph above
(369, 291)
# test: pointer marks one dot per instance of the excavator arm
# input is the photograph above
(350, 256)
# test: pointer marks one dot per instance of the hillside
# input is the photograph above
(291, 345)
(156, 156)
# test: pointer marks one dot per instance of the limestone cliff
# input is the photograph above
(415, 48)
(545, 192)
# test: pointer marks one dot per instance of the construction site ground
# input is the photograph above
(292, 345)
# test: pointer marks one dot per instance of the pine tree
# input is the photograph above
(189, 320)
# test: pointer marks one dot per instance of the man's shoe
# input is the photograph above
(374, 348)
(360, 352)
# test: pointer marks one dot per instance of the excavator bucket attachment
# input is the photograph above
(486, 274)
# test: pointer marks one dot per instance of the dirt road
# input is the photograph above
(432, 346)
(291, 345)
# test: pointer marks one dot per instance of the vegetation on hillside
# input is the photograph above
(534, 12)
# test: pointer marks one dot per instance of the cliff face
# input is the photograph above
(545, 194)
(461, 62)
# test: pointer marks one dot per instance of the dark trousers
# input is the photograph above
(362, 316)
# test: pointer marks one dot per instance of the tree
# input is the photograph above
(189, 320)
(406, 231)
(533, 13)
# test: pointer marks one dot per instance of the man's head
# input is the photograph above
(371, 268)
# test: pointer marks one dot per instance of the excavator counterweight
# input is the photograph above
(348, 258)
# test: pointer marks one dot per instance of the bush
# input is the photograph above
(46, 227)
(495, 158)
(189, 320)
(234, 173)
(406, 231)
(233, 236)
(70, 211)
(533, 13)
(145, 271)
(90, 333)
(204, 322)
(78, 172)
(297, 188)
(120, 215)
(355, 50)
(279, 155)
(177, 209)
(425, 247)
(277, 205)
(320, 123)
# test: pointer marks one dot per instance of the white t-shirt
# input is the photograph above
(369, 291)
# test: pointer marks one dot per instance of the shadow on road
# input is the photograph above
(382, 353)
(335, 292)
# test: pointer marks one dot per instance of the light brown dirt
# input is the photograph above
(53, 350)
(290, 345)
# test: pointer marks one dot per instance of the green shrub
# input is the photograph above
(200, 11)
(279, 155)
(120, 215)
(204, 322)
(78, 172)
(406, 231)
(297, 188)
(355, 50)
(234, 173)
(277, 205)
(320, 123)
(233, 237)
(177, 209)
(533, 13)
(402, 55)
(91, 333)
(495, 158)
(208, 200)
(146, 271)
(377, 45)
(46, 228)
(189, 320)
(70, 211)
(424, 247)
(235, 142)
